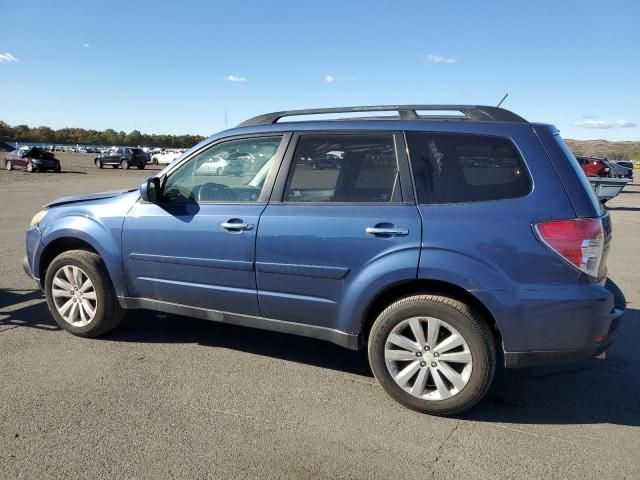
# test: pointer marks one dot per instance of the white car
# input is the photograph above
(212, 166)
(165, 157)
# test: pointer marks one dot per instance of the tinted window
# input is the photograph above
(454, 168)
(232, 171)
(344, 168)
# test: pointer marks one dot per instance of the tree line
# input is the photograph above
(82, 136)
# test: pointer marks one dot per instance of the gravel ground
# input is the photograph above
(170, 397)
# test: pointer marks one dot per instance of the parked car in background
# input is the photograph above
(594, 166)
(321, 162)
(619, 171)
(214, 165)
(124, 157)
(164, 157)
(32, 159)
(375, 255)
(624, 163)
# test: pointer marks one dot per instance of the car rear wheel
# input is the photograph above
(140, 166)
(432, 354)
(80, 295)
(99, 164)
(219, 171)
(124, 164)
(30, 167)
(8, 165)
(58, 168)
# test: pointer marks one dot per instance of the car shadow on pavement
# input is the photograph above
(24, 308)
(149, 327)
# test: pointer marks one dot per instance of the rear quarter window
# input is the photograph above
(458, 168)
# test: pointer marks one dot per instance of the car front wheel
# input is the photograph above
(8, 165)
(99, 163)
(30, 168)
(80, 295)
(124, 164)
(432, 354)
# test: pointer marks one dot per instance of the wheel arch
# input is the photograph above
(398, 290)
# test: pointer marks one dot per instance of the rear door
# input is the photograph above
(331, 235)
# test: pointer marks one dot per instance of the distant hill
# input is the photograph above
(604, 148)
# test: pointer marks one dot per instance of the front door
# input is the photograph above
(343, 230)
(196, 246)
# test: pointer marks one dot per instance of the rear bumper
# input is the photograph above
(541, 327)
(550, 357)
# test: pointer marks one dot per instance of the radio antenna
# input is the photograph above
(503, 99)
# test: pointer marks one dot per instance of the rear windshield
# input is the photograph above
(575, 164)
(456, 168)
(137, 150)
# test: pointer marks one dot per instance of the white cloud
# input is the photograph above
(233, 78)
(625, 124)
(605, 124)
(432, 58)
(329, 78)
(7, 58)
(86, 45)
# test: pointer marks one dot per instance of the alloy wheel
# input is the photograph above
(74, 296)
(428, 358)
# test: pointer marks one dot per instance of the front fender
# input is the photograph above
(102, 237)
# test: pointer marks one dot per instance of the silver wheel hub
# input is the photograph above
(74, 296)
(428, 358)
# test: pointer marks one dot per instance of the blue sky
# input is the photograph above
(173, 67)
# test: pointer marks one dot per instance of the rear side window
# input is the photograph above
(457, 168)
(344, 168)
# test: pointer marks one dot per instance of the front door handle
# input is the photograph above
(387, 231)
(236, 225)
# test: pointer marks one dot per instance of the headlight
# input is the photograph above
(37, 218)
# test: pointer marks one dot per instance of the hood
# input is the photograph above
(88, 197)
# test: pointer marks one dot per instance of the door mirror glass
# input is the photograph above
(150, 190)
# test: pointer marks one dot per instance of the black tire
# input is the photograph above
(115, 166)
(140, 166)
(155, 161)
(458, 315)
(30, 167)
(58, 168)
(99, 164)
(125, 164)
(108, 311)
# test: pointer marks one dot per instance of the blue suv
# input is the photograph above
(442, 238)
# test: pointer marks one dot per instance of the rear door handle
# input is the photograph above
(387, 231)
(236, 226)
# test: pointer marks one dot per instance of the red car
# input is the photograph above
(32, 160)
(594, 166)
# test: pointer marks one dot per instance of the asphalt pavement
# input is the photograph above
(172, 397)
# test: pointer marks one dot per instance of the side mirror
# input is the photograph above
(150, 190)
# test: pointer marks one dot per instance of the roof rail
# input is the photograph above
(478, 113)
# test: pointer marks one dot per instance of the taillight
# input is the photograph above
(579, 241)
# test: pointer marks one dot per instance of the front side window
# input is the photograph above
(344, 168)
(456, 168)
(233, 171)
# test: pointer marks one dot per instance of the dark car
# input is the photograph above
(32, 160)
(594, 166)
(618, 171)
(320, 162)
(624, 163)
(440, 247)
(124, 157)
